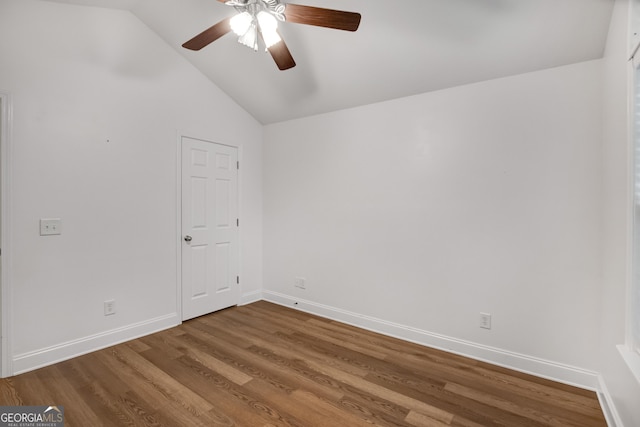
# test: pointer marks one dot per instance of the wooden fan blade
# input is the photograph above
(281, 55)
(209, 35)
(320, 17)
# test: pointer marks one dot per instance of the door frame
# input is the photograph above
(6, 123)
(178, 236)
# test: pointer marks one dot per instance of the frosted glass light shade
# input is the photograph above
(241, 23)
(250, 38)
(268, 28)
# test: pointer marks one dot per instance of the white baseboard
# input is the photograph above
(250, 297)
(607, 404)
(531, 365)
(47, 356)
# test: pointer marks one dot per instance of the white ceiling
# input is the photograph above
(402, 48)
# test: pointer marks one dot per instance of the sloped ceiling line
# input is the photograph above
(422, 46)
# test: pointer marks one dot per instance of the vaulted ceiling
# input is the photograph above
(402, 48)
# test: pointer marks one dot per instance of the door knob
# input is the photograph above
(187, 238)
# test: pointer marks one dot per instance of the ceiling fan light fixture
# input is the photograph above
(250, 37)
(268, 28)
(244, 25)
(241, 23)
(262, 16)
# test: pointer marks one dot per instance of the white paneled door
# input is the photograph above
(209, 227)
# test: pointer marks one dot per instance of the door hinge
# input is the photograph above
(238, 164)
(238, 280)
(237, 222)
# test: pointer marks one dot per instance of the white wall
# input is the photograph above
(80, 76)
(412, 215)
(417, 214)
(622, 389)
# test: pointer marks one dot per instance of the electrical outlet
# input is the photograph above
(110, 307)
(300, 282)
(50, 226)
(485, 320)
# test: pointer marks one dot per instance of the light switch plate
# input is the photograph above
(50, 226)
(485, 320)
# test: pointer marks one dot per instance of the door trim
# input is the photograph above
(6, 330)
(178, 235)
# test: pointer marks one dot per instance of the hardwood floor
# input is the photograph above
(266, 365)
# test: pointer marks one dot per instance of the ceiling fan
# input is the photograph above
(260, 18)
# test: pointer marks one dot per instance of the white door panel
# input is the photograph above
(209, 227)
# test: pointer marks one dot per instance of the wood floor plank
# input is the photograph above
(385, 393)
(108, 388)
(238, 358)
(237, 402)
(541, 389)
(460, 406)
(327, 413)
(354, 399)
(261, 364)
(31, 389)
(161, 380)
(216, 365)
(64, 394)
(420, 420)
(304, 405)
(144, 388)
(286, 346)
(8, 394)
(281, 343)
(323, 331)
(504, 404)
(371, 405)
(265, 365)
